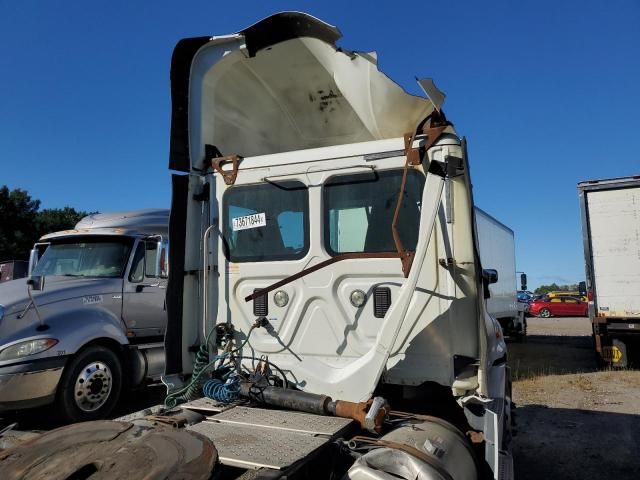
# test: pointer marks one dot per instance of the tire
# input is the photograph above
(544, 313)
(90, 385)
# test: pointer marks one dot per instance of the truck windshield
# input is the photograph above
(85, 258)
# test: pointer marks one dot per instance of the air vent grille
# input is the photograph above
(260, 305)
(381, 301)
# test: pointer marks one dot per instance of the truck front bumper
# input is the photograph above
(30, 384)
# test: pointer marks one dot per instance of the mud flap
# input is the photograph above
(500, 461)
(616, 354)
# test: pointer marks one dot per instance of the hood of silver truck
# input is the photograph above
(61, 299)
(14, 295)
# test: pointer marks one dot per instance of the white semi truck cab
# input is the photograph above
(326, 316)
(90, 320)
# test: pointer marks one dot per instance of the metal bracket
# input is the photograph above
(228, 176)
(407, 261)
(412, 154)
(446, 263)
(432, 127)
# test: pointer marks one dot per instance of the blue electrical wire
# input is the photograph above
(201, 365)
(222, 391)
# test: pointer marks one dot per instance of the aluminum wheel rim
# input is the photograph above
(93, 387)
(545, 313)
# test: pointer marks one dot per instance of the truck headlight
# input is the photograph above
(30, 347)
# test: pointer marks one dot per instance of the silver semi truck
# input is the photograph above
(91, 318)
(611, 238)
(326, 307)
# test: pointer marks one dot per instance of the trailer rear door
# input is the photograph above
(614, 227)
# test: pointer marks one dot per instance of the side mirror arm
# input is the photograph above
(489, 276)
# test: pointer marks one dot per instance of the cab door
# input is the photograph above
(144, 308)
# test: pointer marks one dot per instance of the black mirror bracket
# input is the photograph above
(36, 282)
(489, 276)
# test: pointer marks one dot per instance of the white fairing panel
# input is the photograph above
(497, 251)
(302, 93)
(614, 225)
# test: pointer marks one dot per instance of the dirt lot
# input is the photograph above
(572, 421)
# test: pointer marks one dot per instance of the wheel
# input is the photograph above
(544, 313)
(90, 385)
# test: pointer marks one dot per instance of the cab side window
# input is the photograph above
(266, 222)
(359, 211)
(150, 259)
(144, 262)
(555, 300)
(137, 266)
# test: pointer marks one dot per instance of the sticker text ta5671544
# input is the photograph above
(249, 221)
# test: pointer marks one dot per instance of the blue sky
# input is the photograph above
(546, 93)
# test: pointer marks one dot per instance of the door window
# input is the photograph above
(144, 261)
(359, 210)
(150, 258)
(266, 222)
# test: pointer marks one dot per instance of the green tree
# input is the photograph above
(544, 289)
(18, 212)
(554, 287)
(21, 224)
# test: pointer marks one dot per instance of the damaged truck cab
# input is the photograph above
(335, 208)
(326, 306)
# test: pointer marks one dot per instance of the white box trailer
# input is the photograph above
(611, 235)
(497, 252)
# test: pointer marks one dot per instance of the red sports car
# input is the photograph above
(559, 306)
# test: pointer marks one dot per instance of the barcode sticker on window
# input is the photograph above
(249, 221)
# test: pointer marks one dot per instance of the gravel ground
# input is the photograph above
(572, 421)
